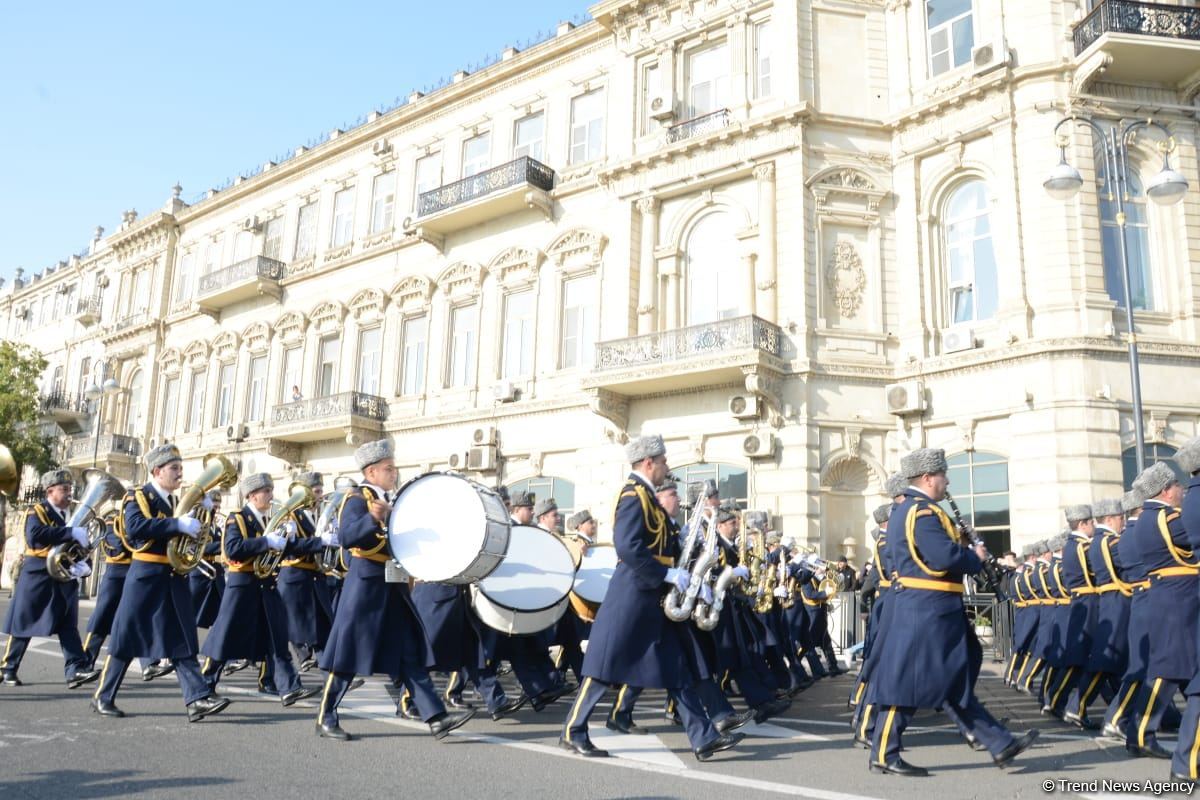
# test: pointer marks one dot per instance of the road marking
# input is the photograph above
(647, 748)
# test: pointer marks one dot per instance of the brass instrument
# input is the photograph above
(103, 491)
(329, 560)
(10, 474)
(830, 580)
(183, 552)
(677, 605)
(300, 497)
(789, 584)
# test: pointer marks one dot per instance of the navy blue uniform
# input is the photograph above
(117, 558)
(206, 592)
(42, 606)
(1186, 760)
(739, 640)
(1078, 623)
(863, 718)
(307, 598)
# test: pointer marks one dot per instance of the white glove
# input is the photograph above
(706, 594)
(80, 535)
(741, 571)
(207, 503)
(276, 541)
(80, 570)
(188, 526)
(329, 539)
(288, 528)
(678, 577)
(781, 591)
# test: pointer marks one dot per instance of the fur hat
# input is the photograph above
(545, 507)
(1154, 479)
(1107, 507)
(57, 477)
(1132, 501)
(310, 479)
(925, 461)
(881, 513)
(580, 518)
(645, 447)
(161, 456)
(1188, 457)
(256, 481)
(896, 484)
(1078, 513)
(373, 452)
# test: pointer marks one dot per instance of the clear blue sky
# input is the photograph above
(104, 106)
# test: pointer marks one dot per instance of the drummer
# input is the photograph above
(571, 629)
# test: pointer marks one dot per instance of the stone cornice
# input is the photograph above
(525, 408)
(147, 234)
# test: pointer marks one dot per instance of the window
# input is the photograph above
(730, 479)
(651, 91)
(546, 487)
(306, 231)
(578, 322)
(713, 267)
(462, 346)
(971, 261)
(243, 246)
(212, 257)
(258, 388)
(707, 80)
(289, 387)
(587, 127)
(412, 369)
(1137, 238)
(327, 366)
(951, 34)
(428, 175)
(343, 218)
(369, 356)
(85, 375)
(273, 239)
(476, 154)
(1152, 454)
(762, 59)
(183, 281)
(141, 292)
(518, 335)
(170, 407)
(195, 402)
(133, 412)
(529, 135)
(224, 411)
(46, 317)
(56, 383)
(58, 302)
(979, 483)
(383, 202)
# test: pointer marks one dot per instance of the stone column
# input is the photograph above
(648, 268)
(746, 297)
(765, 272)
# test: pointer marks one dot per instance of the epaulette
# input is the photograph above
(1172, 516)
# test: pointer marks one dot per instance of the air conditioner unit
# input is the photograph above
(237, 433)
(661, 108)
(457, 461)
(960, 337)
(905, 398)
(482, 458)
(484, 434)
(505, 391)
(759, 445)
(989, 56)
(744, 406)
(250, 224)
(22, 313)
(381, 147)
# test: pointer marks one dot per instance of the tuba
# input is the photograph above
(184, 553)
(677, 605)
(300, 497)
(101, 495)
(10, 475)
(329, 560)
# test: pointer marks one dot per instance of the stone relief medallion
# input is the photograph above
(846, 277)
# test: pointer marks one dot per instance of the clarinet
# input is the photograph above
(991, 568)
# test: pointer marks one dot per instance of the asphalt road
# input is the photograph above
(52, 746)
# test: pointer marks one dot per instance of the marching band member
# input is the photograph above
(862, 721)
(1024, 618)
(570, 630)
(632, 641)
(117, 558)
(252, 623)
(1185, 763)
(787, 671)
(375, 628)
(1117, 562)
(925, 660)
(1078, 617)
(1035, 583)
(155, 618)
(206, 591)
(307, 600)
(41, 605)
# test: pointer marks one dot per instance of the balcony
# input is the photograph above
(244, 280)
(712, 354)
(79, 450)
(64, 409)
(515, 186)
(325, 418)
(699, 126)
(88, 311)
(1140, 42)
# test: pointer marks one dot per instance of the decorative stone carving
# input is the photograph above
(764, 172)
(290, 452)
(516, 266)
(696, 446)
(195, 355)
(291, 326)
(225, 346)
(461, 278)
(368, 304)
(169, 361)
(853, 441)
(413, 291)
(646, 205)
(852, 185)
(578, 249)
(846, 474)
(257, 337)
(327, 316)
(846, 278)
(610, 405)
(966, 428)
(1156, 428)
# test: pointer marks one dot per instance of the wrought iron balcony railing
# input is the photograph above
(695, 341)
(59, 400)
(1128, 16)
(85, 445)
(258, 267)
(88, 306)
(524, 170)
(699, 126)
(346, 404)
(129, 321)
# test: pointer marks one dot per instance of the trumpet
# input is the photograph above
(102, 493)
(184, 553)
(300, 497)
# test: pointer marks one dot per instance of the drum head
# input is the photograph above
(515, 623)
(595, 571)
(438, 526)
(536, 573)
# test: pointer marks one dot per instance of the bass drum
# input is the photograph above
(445, 528)
(515, 623)
(531, 585)
(591, 581)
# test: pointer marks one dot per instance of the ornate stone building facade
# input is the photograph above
(797, 239)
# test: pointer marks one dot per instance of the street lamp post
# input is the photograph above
(1166, 188)
(96, 393)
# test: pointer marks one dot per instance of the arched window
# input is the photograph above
(133, 415)
(979, 485)
(731, 481)
(1137, 237)
(544, 487)
(970, 257)
(713, 270)
(1153, 454)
